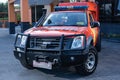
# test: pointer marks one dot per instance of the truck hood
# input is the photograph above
(55, 31)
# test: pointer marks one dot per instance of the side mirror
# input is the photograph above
(95, 24)
(49, 21)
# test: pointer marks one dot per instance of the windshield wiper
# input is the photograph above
(64, 25)
(74, 25)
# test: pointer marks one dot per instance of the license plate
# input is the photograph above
(46, 65)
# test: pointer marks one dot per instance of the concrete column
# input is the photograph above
(11, 19)
(30, 16)
(52, 6)
(24, 15)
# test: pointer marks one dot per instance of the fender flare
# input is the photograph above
(88, 44)
(89, 40)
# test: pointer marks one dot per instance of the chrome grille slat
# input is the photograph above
(45, 43)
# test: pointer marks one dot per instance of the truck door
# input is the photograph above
(95, 29)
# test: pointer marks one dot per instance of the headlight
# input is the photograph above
(20, 42)
(78, 42)
(23, 40)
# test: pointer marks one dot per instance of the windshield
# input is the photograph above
(66, 19)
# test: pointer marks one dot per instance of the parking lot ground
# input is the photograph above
(10, 68)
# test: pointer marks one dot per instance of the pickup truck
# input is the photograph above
(69, 36)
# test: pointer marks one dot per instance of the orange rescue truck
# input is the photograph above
(69, 36)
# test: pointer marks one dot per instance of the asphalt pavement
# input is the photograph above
(10, 69)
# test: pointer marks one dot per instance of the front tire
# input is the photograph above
(90, 64)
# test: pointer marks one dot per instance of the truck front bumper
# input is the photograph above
(68, 58)
(59, 57)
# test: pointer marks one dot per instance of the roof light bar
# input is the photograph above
(63, 8)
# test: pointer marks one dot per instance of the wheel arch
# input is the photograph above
(89, 41)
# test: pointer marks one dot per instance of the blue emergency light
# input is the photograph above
(63, 8)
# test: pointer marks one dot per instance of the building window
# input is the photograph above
(118, 8)
(109, 10)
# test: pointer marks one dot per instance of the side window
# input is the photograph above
(91, 19)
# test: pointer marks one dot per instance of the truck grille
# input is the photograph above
(46, 43)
